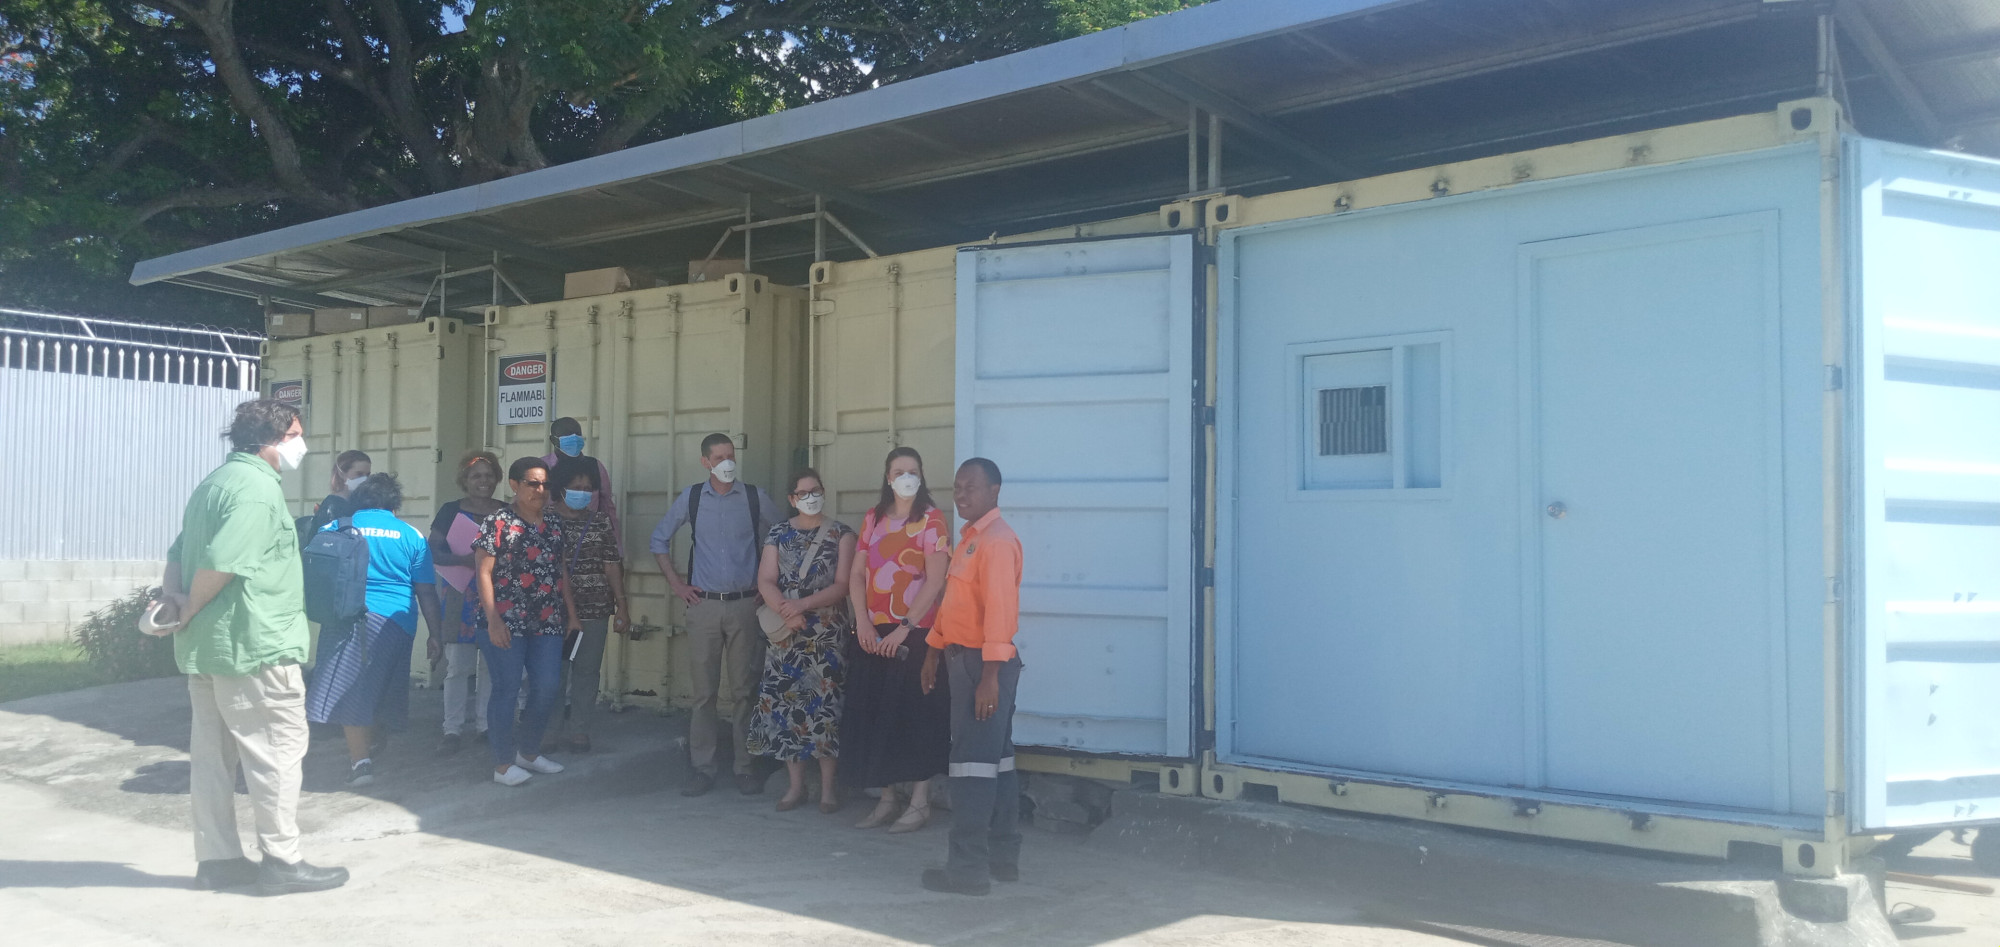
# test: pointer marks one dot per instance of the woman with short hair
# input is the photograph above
(524, 593)
(597, 586)
(478, 476)
(362, 678)
(803, 578)
(897, 735)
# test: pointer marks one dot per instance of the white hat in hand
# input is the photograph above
(162, 618)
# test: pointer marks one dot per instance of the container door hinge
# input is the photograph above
(821, 438)
(1204, 577)
(1205, 255)
(1204, 414)
(437, 456)
(1835, 588)
(1836, 378)
(1836, 802)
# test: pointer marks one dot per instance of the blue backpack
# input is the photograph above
(336, 574)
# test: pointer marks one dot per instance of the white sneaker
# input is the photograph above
(513, 776)
(540, 764)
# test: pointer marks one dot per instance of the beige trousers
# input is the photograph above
(256, 721)
(726, 649)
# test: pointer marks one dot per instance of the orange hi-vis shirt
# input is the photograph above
(982, 592)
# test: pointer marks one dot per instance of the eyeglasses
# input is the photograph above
(535, 484)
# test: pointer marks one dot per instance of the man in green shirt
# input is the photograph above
(233, 582)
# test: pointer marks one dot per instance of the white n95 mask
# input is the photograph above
(724, 471)
(906, 485)
(291, 452)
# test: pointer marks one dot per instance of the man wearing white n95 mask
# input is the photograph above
(727, 525)
(233, 598)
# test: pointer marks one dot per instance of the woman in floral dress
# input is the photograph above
(803, 577)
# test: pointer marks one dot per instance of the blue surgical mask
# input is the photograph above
(571, 444)
(576, 499)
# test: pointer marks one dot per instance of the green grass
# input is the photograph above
(29, 670)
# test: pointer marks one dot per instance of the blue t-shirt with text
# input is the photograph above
(398, 556)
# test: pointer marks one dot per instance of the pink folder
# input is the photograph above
(463, 531)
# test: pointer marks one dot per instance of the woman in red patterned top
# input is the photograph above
(523, 589)
(892, 732)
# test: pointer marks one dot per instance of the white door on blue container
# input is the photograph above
(1075, 374)
(1654, 376)
(1925, 616)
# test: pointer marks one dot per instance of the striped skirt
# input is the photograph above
(362, 678)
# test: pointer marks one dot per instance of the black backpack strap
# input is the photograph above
(694, 507)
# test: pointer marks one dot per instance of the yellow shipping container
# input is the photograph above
(649, 373)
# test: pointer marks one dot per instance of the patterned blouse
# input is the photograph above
(527, 571)
(893, 552)
(587, 548)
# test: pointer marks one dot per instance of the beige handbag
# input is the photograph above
(767, 617)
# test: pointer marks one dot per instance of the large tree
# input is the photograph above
(130, 128)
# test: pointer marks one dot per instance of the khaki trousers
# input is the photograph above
(726, 649)
(257, 721)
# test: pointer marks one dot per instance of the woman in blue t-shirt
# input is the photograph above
(362, 680)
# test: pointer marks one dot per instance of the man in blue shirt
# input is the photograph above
(720, 590)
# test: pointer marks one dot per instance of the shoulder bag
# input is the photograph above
(768, 617)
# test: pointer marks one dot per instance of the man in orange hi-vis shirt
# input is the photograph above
(973, 637)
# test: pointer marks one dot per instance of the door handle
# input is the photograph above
(1557, 510)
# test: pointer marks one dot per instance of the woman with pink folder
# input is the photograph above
(452, 532)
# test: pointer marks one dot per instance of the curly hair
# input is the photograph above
(474, 458)
(259, 424)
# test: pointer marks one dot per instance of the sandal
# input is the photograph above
(788, 803)
(830, 806)
(884, 810)
(908, 824)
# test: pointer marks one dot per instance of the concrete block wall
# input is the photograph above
(40, 599)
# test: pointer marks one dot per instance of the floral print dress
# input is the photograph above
(797, 716)
(527, 571)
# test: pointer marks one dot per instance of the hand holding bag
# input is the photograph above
(767, 617)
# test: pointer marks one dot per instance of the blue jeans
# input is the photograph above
(542, 656)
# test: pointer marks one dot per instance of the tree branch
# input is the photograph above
(202, 197)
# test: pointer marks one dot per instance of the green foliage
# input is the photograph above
(133, 128)
(110, 638)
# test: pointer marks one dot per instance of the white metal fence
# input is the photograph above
(106, 427)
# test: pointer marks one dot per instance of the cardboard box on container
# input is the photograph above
(383, 316)
(611, 279)
(342, 319)
(701, 271)
(288, 325)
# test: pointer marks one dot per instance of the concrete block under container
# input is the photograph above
(340, 319)
(288, 325)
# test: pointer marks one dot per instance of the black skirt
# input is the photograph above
(890, 730)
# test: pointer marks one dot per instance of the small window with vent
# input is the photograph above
(1353, 421)
(1371, 413)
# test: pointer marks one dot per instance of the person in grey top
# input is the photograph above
(728, 523)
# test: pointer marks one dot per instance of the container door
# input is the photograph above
(1075, 375)
(1924, 619)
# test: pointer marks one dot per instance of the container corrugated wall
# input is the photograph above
(649, 373)
(101, 465)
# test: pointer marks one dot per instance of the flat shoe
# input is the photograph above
(787, 805)
(907, 824)
(829, 807)
(881, 814)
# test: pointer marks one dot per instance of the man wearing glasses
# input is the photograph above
(720, 589)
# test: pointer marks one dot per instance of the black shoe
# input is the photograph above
(276, 877)
(938, 879)
(698, 785)
(219, 873)
(361, 774)
(749, 785)
(450, 745)
(1005, 872)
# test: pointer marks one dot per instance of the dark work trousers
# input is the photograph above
(985, 790)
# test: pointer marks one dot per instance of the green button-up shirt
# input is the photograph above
(236, 522)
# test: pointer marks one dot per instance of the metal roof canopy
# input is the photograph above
(1104, 125)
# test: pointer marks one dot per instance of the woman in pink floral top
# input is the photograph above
(892, 732)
